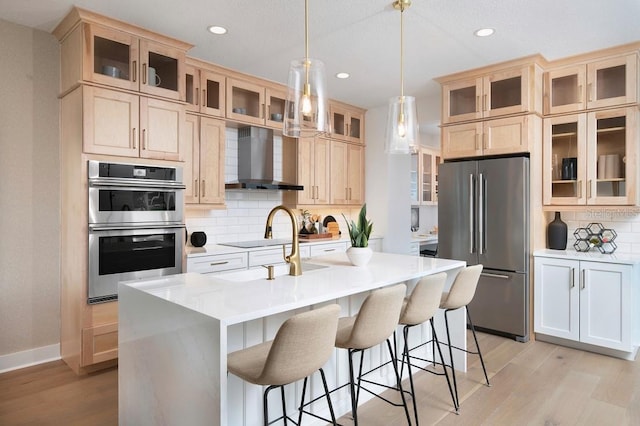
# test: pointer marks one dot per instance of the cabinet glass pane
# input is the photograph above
(610, 82)
(276, 106)
(564, 90)
(213, 94)
(190, 89)
(462, 101)
(338, 123)
(506, 93)
(166, 71)
(354, 128)
(564, 153)
(111, 58)
(427, 188)
(611, 152)
(246, 102)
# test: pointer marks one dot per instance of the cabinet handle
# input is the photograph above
(326, 250)
(589, 92)
(589, 188)
(478, 103)
(195, 188)
(143, 144)
(584, 279)
(348, 130)
(135, 71)
(484, 141)
(133, 137)
(203, 188)
(219, 263)
(204, 98)
(573, 271)
(476, 142)
(197, 96)
(144, 73)
(315, 192)
(484, 102)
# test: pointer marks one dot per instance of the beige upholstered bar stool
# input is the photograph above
(374, 323)
(418, 308)
(459, 296)
(302, 345)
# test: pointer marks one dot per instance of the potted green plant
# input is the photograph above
(359, 253)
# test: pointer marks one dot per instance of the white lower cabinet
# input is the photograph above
(585, 301)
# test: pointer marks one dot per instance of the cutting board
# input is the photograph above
(314, 236)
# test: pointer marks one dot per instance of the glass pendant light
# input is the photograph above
(306, 112)
(402, 122)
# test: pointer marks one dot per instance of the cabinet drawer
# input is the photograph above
(217, 263)
(273, 256)
(99, 343)
(329, 248)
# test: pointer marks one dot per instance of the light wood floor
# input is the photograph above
(532, 383)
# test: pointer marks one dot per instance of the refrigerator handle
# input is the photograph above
(481, 214)
(472, 233)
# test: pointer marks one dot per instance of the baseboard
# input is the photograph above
(29, 357)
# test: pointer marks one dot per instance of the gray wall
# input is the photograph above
(29, 189)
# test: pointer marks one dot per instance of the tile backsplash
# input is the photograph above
(624, 220)
(246, 211)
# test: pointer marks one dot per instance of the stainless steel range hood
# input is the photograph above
(255, 162)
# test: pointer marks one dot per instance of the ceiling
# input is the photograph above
(362, 37)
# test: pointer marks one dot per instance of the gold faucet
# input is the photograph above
(295, 267)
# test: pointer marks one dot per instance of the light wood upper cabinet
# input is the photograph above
(313, 170)
(204, 167)
(120, 59)
(204, 90)
(501, 92)
(124, 124)
(347, 173)
(596, 84)
(508, 135)
(347, 123)
(254, 102)
(591, 158)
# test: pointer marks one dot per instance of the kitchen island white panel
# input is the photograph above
(176, 331)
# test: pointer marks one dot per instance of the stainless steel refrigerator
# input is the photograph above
(483, 217)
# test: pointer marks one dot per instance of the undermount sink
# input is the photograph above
(261, 273)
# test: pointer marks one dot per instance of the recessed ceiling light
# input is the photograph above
(214, 29)
(342, 75)
(484, 32)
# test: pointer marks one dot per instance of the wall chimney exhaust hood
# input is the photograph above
(255, 162)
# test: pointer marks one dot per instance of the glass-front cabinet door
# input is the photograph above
(506, 92)
(564, 90)
(415, 168)
(162, 69)
(461, 100)
(564, 159)
(112, 57)
(612, 153)
(612, 81)
(274, 114)
(427, 184)
(245, 101)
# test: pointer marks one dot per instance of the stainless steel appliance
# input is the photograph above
(136, 225)
(483, 217)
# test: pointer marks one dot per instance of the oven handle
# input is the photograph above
(93, 227)
(133, 183)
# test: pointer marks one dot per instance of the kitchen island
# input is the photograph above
(175, 333)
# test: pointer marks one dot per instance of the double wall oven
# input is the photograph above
(136, 225)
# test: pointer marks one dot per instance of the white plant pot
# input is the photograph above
(359, 256)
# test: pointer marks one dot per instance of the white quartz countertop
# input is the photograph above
(238, 301)
(425, 238)
(591, 255)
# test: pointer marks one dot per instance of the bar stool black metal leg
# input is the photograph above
(405, 353)
(304, 390)
(284, 407)
(473, 331)
(453, 368)
(327, 393)
(354, 412)
(265, 406)
(359, 376)
(395, 369)
(444, 367)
